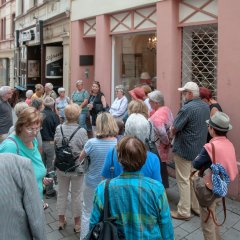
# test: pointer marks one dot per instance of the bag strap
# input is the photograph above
(112, 166)
(70, 138)
(106, 213)
(150, 133)
(213, 153)
(210, 213)
(12, 139)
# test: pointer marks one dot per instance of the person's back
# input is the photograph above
(192, 135)
(137, 209)
(20, 204)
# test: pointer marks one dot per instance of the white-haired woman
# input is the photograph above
(61, 102)
(49, 92)
(161, 120)
(80, 97)
(120, 104)
(29, 94)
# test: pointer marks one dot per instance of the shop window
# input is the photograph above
(199, 55)
(12, 25)
(132, 56)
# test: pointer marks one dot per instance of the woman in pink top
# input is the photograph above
(162, 120)
(218, 126)
(29, 94)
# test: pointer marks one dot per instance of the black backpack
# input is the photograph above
(105, 229)
(64, 157)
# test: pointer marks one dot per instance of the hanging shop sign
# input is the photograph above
(26, 36)
(54, 62)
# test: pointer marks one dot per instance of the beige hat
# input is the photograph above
(145, 75)
(189, 86)
(220, 121)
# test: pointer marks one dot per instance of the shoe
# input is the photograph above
(51, 194)
(45, 206)
(176, 215)
(77, 228)
(62, 225)
(195, 213)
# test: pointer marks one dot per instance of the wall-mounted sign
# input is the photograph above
(54, 62)
(25, 36)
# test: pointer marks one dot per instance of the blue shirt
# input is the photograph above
(9, 146)
(191, 127)
(97, 150)
(151, 168)
(139, 205)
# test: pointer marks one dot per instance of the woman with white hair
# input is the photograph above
(29, 94)
(161, 120)
(61, 102)
(138, 126)
(49, 92)
(120, 104)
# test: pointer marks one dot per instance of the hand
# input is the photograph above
(47, 181)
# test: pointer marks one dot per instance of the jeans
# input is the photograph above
(82, 120)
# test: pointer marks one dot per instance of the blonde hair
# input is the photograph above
(27, 117)
(106, 126)
(72, 112)
(146, 89)
(138, 106)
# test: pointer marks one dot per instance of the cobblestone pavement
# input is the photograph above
(189, 230)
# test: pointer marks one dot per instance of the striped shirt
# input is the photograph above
(139, 205)
(191, 126)
(97, 149)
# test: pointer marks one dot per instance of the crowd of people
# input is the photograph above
(115, 144)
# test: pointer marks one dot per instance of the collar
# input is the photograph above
(132, 174)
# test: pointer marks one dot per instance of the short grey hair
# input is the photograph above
(61, 89)
(49, 85)
(48, 102)
(138, 126)
(79, 82)
(19, 107)
(4, 90)
(120, 88)
(156, 96)
(29, 93)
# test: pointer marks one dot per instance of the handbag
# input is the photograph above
(206, 190)
(106, 229)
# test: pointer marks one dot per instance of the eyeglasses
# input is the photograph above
(32, 130)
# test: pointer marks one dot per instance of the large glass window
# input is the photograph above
(133, 55)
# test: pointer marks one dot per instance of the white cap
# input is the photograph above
(189, 86)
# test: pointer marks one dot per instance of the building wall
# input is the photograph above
(7, 45)
(84, 9)
(172, 15)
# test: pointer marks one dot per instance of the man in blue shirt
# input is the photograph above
(139, 204)
(190, 130)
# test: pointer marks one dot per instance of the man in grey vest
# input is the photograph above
(190, 131)
(6, 119)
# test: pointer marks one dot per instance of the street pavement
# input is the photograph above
(184, 230)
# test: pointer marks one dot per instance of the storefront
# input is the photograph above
(194, 41)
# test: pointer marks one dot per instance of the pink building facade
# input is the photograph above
(196, 41)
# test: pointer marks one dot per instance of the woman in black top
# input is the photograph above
(206, 96)
(96, 103)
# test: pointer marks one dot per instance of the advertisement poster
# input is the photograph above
(33, 68)
(54, 62)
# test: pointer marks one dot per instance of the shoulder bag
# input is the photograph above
(106, 229)
(203, 188)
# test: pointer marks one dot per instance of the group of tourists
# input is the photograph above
(129, 142)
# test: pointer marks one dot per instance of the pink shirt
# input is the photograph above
(224, 154)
